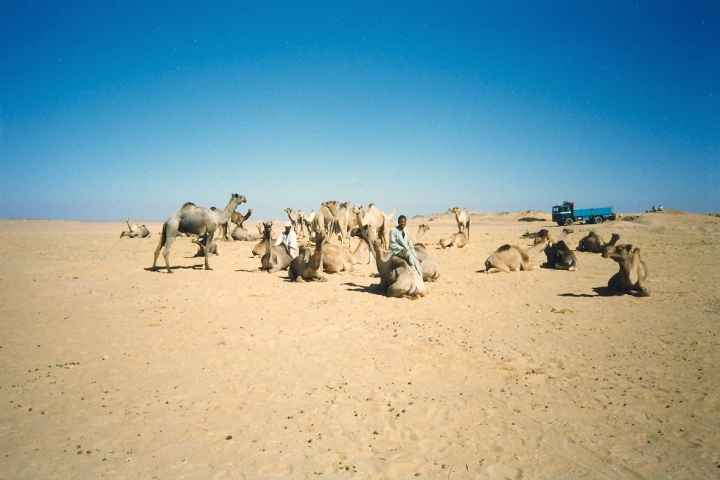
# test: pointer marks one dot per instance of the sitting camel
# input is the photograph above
(594, 243)
(307, 265)
(457, 240)
(427, 262)
(192, 219)
(242, 235)
(275, 257)
(632, 276)
(397, 278)
(462, 219)
(559, 256)
(136, 231)
(511, 258)
(200, 241)
(338, 259)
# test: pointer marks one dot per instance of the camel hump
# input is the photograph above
(188, 204)
(504, 248)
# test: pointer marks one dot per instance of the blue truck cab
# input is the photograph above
(566, 214)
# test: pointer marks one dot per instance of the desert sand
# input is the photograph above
(110, 370)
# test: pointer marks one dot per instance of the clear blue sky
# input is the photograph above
(117, 109)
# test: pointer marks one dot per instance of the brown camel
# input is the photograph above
(192, 219)
(511, 258)
(462, 219)
(594, 243)
(632, 276)
(339, 259)
(397, 278)
(239, 219)
(275, 257)
(136, 231)
(307, 264)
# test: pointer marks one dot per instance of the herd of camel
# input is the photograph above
(397, 278)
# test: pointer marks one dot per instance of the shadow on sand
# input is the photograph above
(373, 289)
(177, 267)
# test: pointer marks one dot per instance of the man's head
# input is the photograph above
(402, 221)
(288, 225)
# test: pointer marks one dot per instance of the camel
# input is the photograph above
(198, 220)
(552, 238)
(275, 257)
(511, 258)
(294, 219)
(430, 271)
(397, 278)
(338, 259)
(457, 240)
(242, 235)
(341, 222)
(376, 219)
(632, 276)
(429, 267)
(462, 219)
(200, 241)
(136, 231)
(594, 243)
(307, 265)
(422, 229)
(560, 257)
(239, 219)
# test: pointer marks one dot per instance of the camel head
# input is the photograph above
(541, 236)
(240, 198)
(453, 210)
(618, 252)
(288, 210)
(267, 227)
(423, 228)
(357, 209)
(346, 205)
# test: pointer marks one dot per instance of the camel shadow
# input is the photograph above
(600, 291)
(177, 267)
(373, 289)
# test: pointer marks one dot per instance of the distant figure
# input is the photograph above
(289, 239)
(654, 209)
(660, 208)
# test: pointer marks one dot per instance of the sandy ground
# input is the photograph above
(110, 370)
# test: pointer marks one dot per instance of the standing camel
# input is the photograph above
(200, 221)
(462, 219)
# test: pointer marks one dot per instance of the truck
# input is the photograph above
(566, 214)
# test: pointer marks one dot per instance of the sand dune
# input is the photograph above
(108, 369)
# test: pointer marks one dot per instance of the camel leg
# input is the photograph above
(166, 253)
(161, 244)
(468, 230)
(208, 241)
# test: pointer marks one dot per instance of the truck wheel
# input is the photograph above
(598, 219)
(568, 222)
